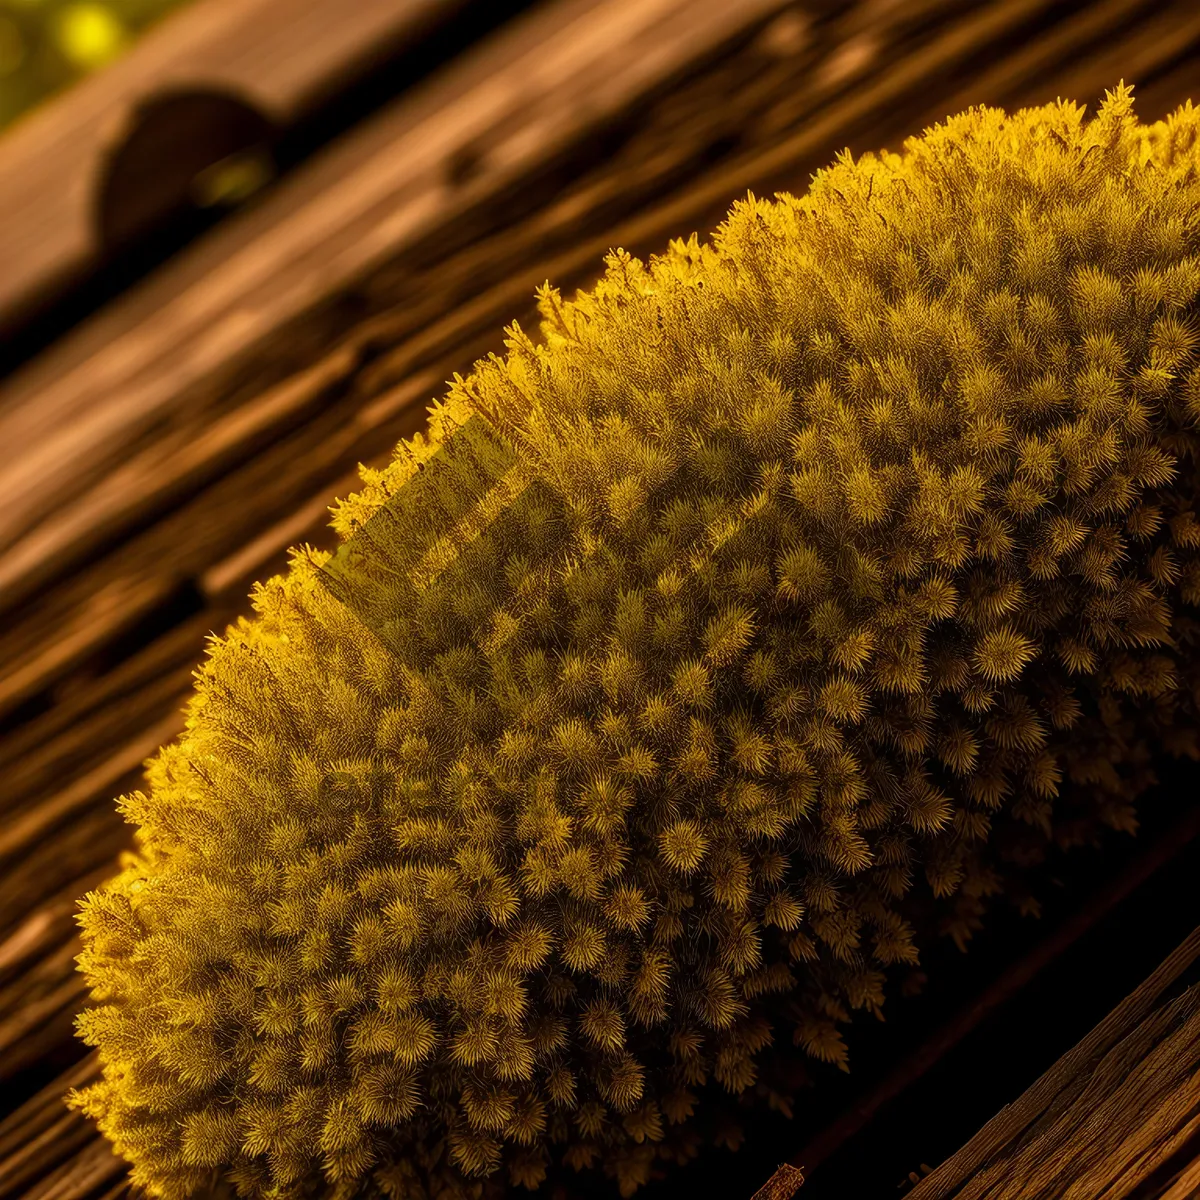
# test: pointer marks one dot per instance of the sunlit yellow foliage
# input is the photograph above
(822, 577)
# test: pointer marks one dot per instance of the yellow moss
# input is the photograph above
(656, 692)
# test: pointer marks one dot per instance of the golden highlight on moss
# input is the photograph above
(786, 603)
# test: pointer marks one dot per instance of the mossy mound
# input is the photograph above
(795, 584)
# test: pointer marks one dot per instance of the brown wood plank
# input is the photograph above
(66, 825)
(46, 926)
(523, 96)
(39, 1136)
(26, 829)
(95, 713)
(99, 615)
(1106, 1115)
(215, 531)
(279, 57)
(1154, 858)
(94, 838)
(783, 1185)
(1025, 68)
(79, 1176)
(1184, 1185)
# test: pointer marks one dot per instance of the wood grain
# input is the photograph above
(783, 1185)
(44, 1134)
(1106, 1116)
(523, 96)
(280, 58)
(1020, 975)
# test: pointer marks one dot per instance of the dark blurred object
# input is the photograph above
(197, 147)
(132, 161)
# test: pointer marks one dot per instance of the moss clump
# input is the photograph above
(793, 586)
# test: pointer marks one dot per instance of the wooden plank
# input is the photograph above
(1184, 1184)
(79, 628)
(206, 539)
(64, 769)
(519, 99)
(1143, 50)
(96, 712)
(96, 837)
(38, 1008)
(46, 926)
(88, 612)
(408, 351)
(279, 58)
(1026, 68)
(1106, 1115)
(783, 1185)
(29, 827)
(36, 1138)
(79, 1176)
(1020, 976)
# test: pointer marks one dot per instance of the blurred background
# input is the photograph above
(45, 45)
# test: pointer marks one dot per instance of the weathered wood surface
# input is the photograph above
(132, 414)
(277, 59)
(1117, 1116)
(783, 1185)
(166, 454)
(1153, 859)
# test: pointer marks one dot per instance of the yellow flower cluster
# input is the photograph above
(796, 586)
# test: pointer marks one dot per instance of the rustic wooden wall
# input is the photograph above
(165, 454)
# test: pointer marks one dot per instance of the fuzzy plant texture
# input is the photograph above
(693, 669)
